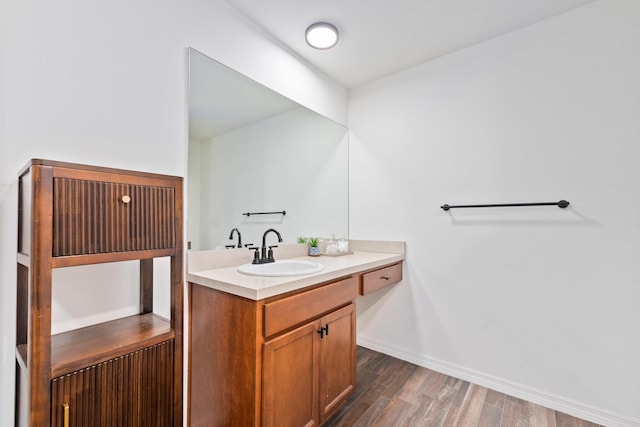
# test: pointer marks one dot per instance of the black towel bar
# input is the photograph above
(265, 213)
(561, 204)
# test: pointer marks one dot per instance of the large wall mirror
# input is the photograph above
(252, 150)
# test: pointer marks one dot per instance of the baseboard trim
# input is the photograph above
(558, 403)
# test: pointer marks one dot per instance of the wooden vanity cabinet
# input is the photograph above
(310, 371)
(122, 372)
(283, 361)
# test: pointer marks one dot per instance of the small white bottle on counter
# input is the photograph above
(343, 246)
(332, 246)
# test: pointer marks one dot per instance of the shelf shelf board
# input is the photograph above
(77, 349)
(74, 260)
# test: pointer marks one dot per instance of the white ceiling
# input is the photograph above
(380, 37)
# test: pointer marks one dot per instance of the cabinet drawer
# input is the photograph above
(378, 279)
(290, 311)
(94, 217)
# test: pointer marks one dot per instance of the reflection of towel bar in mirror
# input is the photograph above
(265, 213)
(561, 204)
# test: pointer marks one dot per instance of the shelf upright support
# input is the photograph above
(177, 303)
(39, 297)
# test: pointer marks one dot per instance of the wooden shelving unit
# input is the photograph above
(125, 371)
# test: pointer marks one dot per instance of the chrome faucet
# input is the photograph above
(266, 256)
(239, 237)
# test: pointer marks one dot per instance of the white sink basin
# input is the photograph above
(281, 268)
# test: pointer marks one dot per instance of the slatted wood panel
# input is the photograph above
(394, 393)
(90, 217)
(132, 390)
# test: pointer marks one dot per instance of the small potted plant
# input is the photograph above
(314, 246)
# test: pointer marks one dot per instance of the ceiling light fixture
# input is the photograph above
(321, 35)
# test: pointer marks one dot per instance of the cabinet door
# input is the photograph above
(94, 217)
(290, 379)
(133, 390)
(337, 359)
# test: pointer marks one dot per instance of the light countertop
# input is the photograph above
(228, 279)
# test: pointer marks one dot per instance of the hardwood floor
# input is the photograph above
(391, 392)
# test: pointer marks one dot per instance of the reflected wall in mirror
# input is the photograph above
(254, 150)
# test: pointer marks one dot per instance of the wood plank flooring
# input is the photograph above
(391, 392)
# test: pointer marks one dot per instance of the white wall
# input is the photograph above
(543, 299)
(540, 302)
(296, 161)
(105, 83)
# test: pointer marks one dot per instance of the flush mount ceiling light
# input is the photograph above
(321, 35)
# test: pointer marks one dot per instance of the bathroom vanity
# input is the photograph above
(278, 351)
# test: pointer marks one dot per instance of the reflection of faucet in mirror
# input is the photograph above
(239, 245)
(266, 257)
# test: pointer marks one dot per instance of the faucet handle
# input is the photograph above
(256, 254)
(270, 253)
